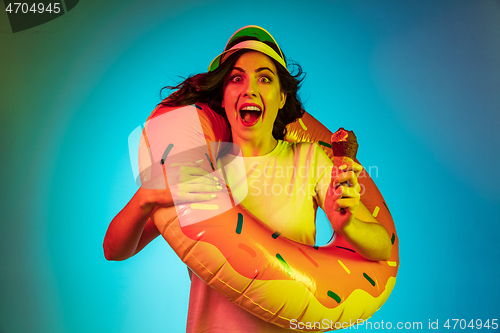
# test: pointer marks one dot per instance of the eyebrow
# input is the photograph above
(260, 69)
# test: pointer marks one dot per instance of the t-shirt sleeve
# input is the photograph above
(323, 166)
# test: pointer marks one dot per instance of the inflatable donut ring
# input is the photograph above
(276, 279)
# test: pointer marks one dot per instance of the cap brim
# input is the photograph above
(254, 45)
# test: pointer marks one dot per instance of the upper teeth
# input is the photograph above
(251, 108)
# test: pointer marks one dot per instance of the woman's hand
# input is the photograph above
(343, 197)
(189, 182)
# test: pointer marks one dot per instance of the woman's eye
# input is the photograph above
(236, 78)
(265, 79)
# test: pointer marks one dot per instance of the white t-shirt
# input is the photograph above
(285, 188)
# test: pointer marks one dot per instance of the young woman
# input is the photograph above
(249, 84)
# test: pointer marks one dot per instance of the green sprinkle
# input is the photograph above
(387, 207)
(240, 223)
(393, 238)
(325, 144)
(369, 279)
(285, 265)
(276, 234)
(334, 296)
(165, 154)
(211, 164)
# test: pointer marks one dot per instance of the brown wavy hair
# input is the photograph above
(208, 88)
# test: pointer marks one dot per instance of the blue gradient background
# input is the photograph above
(418, 81)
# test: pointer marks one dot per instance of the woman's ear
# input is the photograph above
(222, 103)
(283, 99)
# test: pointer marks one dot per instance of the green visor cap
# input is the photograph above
(250, 37)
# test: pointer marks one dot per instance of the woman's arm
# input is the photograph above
(132, 229)
(369, 238)
(351, 219)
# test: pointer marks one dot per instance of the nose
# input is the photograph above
(251, 88)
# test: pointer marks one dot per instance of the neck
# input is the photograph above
(257, 147)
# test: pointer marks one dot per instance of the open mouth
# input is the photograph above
(250, 115)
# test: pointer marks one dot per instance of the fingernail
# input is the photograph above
(216, 179)
(343, 167)
(213, 195)
(219, 187)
